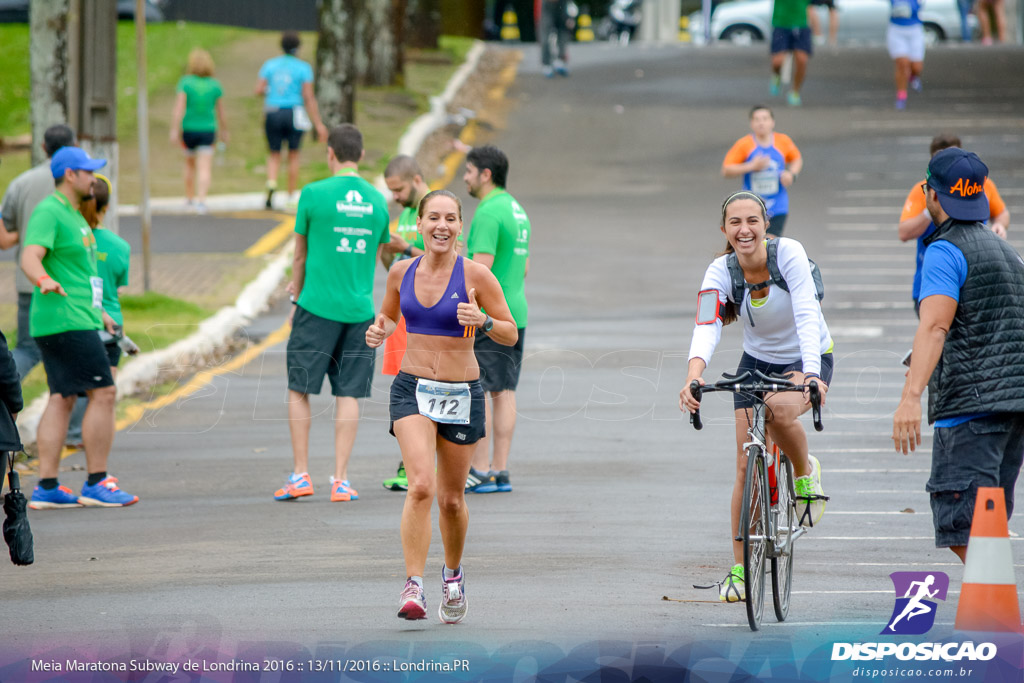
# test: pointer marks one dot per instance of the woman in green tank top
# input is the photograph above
(198, 110)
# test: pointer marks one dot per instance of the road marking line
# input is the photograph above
(875, 470)
(134, 413)
(873, 538)
(273, 239)
(867, 512)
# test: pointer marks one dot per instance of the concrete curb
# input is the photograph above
(255, 298)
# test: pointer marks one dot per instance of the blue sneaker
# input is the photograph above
(480, 482)
(60, 497)
(106, 494)
(502, 482)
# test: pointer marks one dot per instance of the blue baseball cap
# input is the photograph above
(73, 158)
(958, 178)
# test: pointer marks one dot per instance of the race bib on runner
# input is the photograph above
(97, 291)
(446, 402)
(765, 183)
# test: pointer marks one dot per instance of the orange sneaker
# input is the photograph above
(342, 491)
(295, 487)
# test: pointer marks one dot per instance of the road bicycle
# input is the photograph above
(768, 525)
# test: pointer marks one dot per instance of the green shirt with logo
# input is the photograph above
(406, 229)
(112, 256)
(344, 219)
(500, 227)
(789, 14)
(201, 95)
(71, 261)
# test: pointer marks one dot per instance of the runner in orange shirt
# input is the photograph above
(769, 163)
(915, 223)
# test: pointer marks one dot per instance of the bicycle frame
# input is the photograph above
(766, 524)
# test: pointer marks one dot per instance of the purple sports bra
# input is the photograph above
(442, 318)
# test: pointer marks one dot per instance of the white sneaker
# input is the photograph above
(810, 497)
(454, 603)
(734, 588)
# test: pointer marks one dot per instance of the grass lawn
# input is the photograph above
(153, 321)
(382, 113)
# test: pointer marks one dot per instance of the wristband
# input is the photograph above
(408, 251)
(39, 283)
(809, 375)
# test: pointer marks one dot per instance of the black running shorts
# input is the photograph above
(318, 347)
(403, 404)
(75, 362)
(499, 364)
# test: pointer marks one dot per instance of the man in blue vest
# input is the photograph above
(969, 350)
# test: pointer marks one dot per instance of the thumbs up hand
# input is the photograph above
(376, 333)
(470, 314)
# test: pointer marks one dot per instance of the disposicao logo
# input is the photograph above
(914, 612)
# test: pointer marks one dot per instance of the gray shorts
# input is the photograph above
(986, 451)
(318, 347)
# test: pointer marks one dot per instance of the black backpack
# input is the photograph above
(739, 285)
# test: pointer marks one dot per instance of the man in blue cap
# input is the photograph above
(59, 257)
(968, 350)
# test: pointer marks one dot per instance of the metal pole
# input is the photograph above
(143, 115)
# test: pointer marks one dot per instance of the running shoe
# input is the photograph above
(454, 603)
(106, 494)
(412, 605)
(549, 72)
(793, 99)
(915, 84)
(775, 85)
(399, 482)
(296, 487)
(901, 103)
(342, 491)
(480, 482)
(810, 498)
(502, 482)
(271, 186)
(52, 499)
(734, 588)
(561, 70)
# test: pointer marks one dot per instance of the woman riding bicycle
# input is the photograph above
(783, 333)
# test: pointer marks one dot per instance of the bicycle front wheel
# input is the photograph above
(753, 528)
(782, 563)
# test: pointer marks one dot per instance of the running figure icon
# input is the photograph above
(916, 607)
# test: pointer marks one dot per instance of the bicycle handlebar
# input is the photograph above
(764, 383)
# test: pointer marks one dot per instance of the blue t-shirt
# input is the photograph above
(904, 12)
(920, 260)
(285, 76)
(944, 271)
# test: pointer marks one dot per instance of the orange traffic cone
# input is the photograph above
(988, 597)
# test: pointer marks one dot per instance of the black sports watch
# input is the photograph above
(488, 324)
(408, 251)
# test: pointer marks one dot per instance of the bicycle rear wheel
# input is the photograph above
(753, 528)
(782, 563)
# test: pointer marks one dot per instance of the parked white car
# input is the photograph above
(743, 22)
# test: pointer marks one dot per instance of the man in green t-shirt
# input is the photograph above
(59, 256)
(405, 180)
(499, 237)
(340, 231)
(790, 34)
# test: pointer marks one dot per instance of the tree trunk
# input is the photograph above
(336, 61)
(423, 24)
(48, 63)
(379, 46)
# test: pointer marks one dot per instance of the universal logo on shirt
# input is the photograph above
(353, 242)
(353, 205)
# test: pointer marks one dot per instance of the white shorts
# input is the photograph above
(906, 42)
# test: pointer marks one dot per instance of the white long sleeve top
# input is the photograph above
(784, 328)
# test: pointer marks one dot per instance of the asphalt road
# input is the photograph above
(618, 504)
